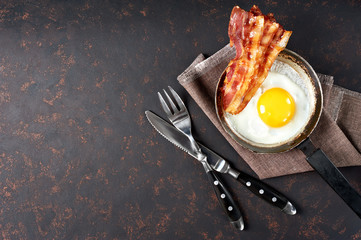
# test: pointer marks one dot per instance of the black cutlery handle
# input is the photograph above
(226, 201)
(267, 193)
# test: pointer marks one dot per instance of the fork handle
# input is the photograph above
(226, 201)
(194, 143)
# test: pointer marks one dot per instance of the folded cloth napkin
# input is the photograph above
(337, 133)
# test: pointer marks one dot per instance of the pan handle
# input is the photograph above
(330, 173)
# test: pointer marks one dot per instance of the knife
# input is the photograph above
(219, 164)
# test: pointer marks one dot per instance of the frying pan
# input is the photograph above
(307, 78)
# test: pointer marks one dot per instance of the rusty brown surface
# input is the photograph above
(78, 159)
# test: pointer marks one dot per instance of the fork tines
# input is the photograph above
(174, 108)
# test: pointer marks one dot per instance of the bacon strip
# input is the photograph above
(258, 40)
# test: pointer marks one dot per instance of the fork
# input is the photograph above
(180, 118)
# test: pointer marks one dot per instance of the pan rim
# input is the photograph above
(307, 130)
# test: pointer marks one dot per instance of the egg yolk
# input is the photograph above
(276, 107)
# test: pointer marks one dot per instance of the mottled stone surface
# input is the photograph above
(78, 159)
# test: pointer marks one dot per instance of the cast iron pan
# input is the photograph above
(315, 157)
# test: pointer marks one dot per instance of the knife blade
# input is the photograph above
(258, 187)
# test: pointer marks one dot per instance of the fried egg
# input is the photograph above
(278, 112)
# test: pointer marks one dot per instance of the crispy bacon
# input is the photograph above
(258, 39)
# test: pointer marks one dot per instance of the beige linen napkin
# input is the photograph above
(338, 132)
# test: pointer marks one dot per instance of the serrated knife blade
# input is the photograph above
(170, 133)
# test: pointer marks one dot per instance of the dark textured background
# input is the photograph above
(78, 159)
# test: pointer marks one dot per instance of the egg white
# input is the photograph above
(249, 125)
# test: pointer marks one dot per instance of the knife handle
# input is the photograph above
(267, 193)
(226, 201)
